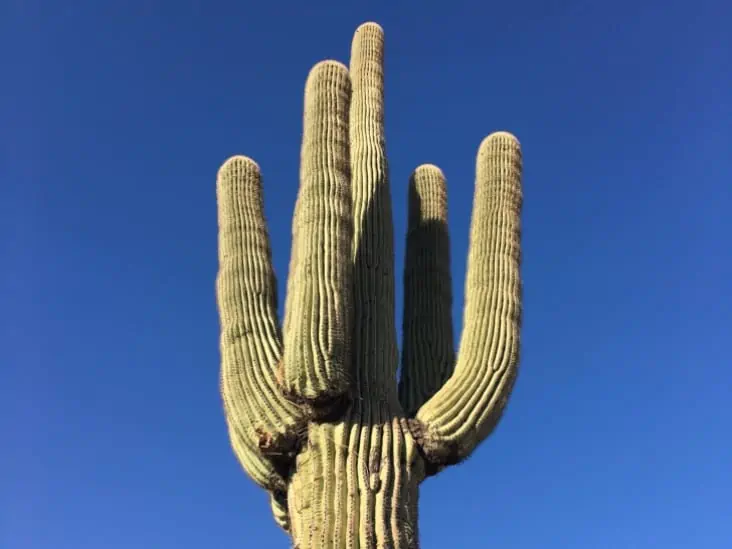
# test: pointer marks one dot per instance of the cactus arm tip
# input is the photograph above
(497, 135)
(237, 159)
(369, 26)
(327, 64)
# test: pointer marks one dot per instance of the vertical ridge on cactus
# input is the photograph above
(317, 419)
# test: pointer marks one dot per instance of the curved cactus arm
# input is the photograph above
(278, 504)
(261, 421)
(467, 408)
(374, 334)
(317, 328)
(428, 353)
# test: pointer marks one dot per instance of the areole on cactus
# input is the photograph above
(313, 412)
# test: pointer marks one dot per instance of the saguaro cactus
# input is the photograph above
(314, 412)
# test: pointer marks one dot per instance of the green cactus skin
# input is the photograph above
(259, 418)
(315, 367)
(319, 422)
(428, 353)
(467, 408)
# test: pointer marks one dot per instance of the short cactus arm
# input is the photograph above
(428, 353)
(317, 328)
(261, 421)
(466, 409)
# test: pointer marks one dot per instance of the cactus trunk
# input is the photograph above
(355, 484)
(314, 412)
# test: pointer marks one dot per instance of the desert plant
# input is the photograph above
(314, 412)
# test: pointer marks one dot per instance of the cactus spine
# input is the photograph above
(314, 414)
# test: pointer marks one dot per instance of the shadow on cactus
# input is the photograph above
(313, 412)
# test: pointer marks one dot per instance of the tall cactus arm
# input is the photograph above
(261, 421)
(315, 369)
(428, 353)
(374, 333)
(467, 408)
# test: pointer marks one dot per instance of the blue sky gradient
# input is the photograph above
(115, 117)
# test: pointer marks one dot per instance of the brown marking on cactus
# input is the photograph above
(281, 450)
(327, 406)
(436, 455)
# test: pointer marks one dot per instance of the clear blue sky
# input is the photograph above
(115, 118)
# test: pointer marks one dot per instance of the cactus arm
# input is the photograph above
(428, 354)
(317, 328)
(260, 420)
(278, 504)
(374, 333)
(467, 408)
